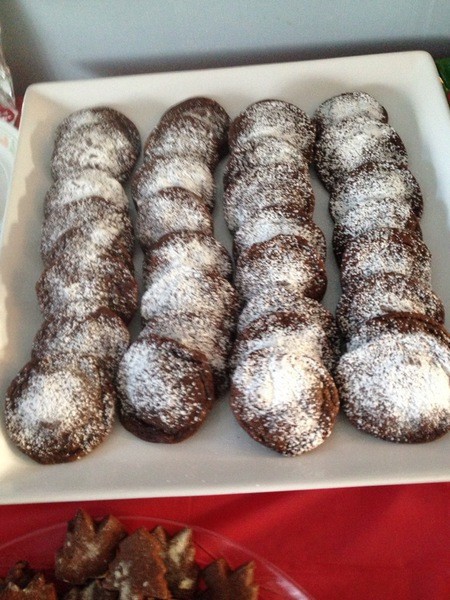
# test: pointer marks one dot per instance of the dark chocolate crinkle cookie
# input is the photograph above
(99, 138)
(343, 147)
(263, 152)
(383, 251)
(395, 384)
(88, 213)
(165, 389)
(101, 334)
(283, 261)
(382, 294)
(284, 400)
(170, 210)
(286, 328)
(72, 290)
(92, 245)
(256, 190)
(207, 110)
(275, 118)
(372, 181)
(203, 292)
(205, 332)
(187, 250)
(349, 105)
(85, 184)
(186, 136)
(275, 220)
(373, 214)
(59, 411)
(285, 299)
(172, 171)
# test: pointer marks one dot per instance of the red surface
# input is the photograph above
(385, 543)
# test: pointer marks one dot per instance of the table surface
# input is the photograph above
(389, 542)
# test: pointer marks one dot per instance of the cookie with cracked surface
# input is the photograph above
(385, 250)
(382, 294)
(275, 220)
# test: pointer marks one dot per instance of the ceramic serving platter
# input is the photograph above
(220, 458)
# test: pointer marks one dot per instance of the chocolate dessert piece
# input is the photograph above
(276, 118)
(373, 180)
(171, 210)
(138, 570)
(283, 261)
(172, 171)
(284, 399)
(88, 548)
(383, 294)
(96, 138)
(275, 220)
(349, 105)
(348, 144)
(224, 583)
(165, 389)
(58, 411)
(394, 384)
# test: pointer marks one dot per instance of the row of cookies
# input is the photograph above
(171, 374)
(99, 558)
(393, 379)
(282, 394)
(62, 404)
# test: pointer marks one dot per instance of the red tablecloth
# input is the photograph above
(385, 543)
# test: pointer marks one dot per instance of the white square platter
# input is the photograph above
(220, 458)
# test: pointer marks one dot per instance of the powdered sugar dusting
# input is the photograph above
(284, 391)
(396, 387)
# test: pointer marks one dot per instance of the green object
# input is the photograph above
(443, 66)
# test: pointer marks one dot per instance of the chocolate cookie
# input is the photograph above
(199, 292)
(265, 151)
(59, 411)
(275, 118)
(85, 184)
(349, 105)
(286, 329)
(165, 390)
(283, 261)
(284, 400)
(93, 215)
(279, 185)
(385, 293)
(343, 147)
(274, 220)
(186, 250)
(382, 251)
(99, 138)
(372, 181)
(170, 210)
(101, 334)
(396, 385)
(168, 172)
(71, 290)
